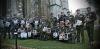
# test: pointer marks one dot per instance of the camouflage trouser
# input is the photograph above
(80, 32)
(90, 31)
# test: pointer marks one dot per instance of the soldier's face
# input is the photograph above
(62, 13)
(89, 10)
(68, 13)
(78, 12)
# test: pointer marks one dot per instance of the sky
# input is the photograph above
(76, 4)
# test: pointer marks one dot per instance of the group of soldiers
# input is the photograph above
(81, 22)
(55, 28)
(77, 24)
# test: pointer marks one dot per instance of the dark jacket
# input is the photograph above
(80, 17)
(92, 17)
(63, 18)
(72, 18)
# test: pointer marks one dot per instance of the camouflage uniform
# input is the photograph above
(90, 25)
(79, 28)
(72, 19)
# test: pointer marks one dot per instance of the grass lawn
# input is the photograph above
(51, 44)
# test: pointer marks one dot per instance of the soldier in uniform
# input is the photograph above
(55, 31)
(63, 17)
(53, 20)
(91, 17)
(79, 26)
(62, 30)
(71, 18)
(63, 20)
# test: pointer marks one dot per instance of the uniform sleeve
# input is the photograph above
(73, 19)
(94, 16)
(83, 18)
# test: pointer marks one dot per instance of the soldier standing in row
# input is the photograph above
(79, 20)
(91, 17)
(71, 18)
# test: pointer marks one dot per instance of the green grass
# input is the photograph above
(31, 43)
(51, 44)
